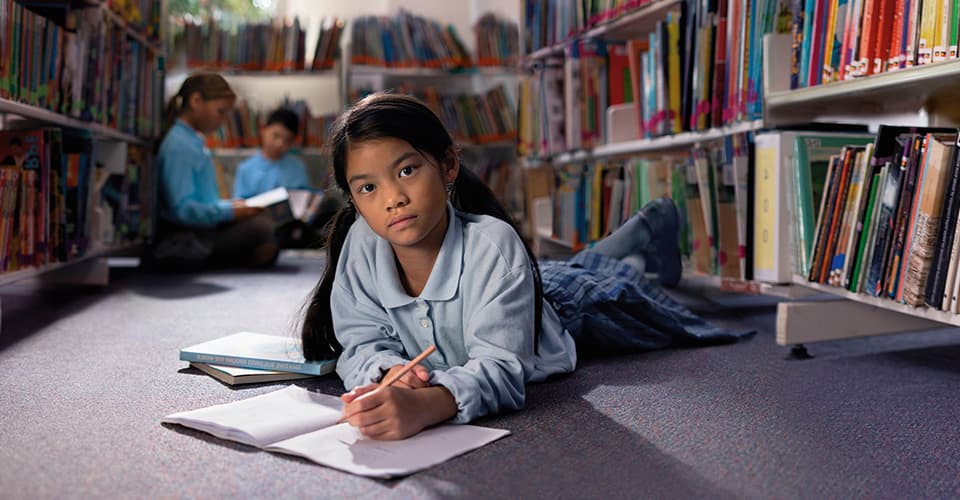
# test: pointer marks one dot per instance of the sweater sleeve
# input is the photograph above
(499, 342)
(369, 341)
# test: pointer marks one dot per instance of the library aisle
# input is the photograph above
(86, 378)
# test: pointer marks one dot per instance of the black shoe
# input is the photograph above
(663, 221)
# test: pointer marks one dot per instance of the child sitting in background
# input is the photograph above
(273, 166)
(197, 228)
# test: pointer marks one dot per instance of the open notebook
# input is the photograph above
(298, 422)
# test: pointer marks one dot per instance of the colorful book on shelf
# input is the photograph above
(922, 234)
(939, 272)
(811, 154)
(867, 235)
(258, 351)
(296, 421)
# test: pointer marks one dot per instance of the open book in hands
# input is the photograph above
(298, 422)
(285, 205)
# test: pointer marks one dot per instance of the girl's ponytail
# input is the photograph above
(319, 341)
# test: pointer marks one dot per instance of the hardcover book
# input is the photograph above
(256, 350)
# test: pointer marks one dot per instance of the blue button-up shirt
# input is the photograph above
(258, 174)
(477, 308)
(188, 182)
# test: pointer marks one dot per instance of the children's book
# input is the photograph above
(232, 375)
(276, 202)
(299, 422)
(257, 351)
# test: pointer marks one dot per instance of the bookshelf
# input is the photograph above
(119, 135)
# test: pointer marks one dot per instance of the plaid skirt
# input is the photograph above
(608, 307)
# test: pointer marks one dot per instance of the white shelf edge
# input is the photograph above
(695, 280)
(311, 151)
(629, 21)
(30, 272)
(626, 21)
(944, 70)
(53, 118)
(657, 143)
(366, 69)
(888, 304)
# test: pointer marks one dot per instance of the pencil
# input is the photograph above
(396, 376)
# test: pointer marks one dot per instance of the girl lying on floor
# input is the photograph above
(423, 254)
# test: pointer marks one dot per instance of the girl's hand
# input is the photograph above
(397, 413)
(243, 211)
(416, 378)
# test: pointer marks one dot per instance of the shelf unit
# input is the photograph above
(91, 267)
(927, 88)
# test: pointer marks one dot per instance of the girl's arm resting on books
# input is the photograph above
(499, 342)
(369, 345)
(395, 412)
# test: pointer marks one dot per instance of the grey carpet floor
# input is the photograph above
(86, 375)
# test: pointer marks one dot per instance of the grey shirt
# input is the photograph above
(477, 308)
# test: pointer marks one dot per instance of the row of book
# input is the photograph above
(547, 23)
(710, 184)
(887, 220)
(242, 127)
(265, 46)
(484, 118)
(407, 40)
(51, 181)
(842, 39)
(91, 70)
(498, 41)
(700, 67)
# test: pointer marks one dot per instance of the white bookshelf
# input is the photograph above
(45, 116)
(650, 145)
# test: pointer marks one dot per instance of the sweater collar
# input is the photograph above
(444, 280)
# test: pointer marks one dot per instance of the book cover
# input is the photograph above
(866, 234)
(296, 421)
(933, 295)
(921, 246)
(256, 350)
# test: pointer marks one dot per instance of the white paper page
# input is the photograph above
(298, 202)
(268, 198)
(265, 419)
(343, 447)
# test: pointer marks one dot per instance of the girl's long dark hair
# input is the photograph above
(405, 118)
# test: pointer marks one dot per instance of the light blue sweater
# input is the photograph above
(188, 181)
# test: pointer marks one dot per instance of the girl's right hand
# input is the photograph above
(243, 211)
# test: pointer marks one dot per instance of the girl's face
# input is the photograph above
(400, 192)
(206, 116)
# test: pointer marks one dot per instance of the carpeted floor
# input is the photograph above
(86, 375)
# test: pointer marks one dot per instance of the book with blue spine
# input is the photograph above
(258, 351)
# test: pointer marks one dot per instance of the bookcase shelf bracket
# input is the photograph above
(807, 322)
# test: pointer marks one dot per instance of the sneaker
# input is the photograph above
(663, 220)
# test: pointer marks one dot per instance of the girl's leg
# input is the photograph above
(652, 234)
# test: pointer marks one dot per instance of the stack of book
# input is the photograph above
(248, 358)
